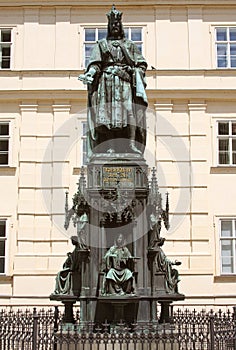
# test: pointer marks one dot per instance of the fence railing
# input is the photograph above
(189, 329)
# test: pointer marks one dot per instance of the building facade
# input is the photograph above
(190, 47)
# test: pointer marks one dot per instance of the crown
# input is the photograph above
(114, 13)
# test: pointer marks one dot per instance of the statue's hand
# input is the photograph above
(86, 78)
(129, 69)
(178, 262)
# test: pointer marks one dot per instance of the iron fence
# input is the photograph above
(188, 330)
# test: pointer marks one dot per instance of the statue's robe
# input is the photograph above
(118, 279)
(116, 98)
(163, 264)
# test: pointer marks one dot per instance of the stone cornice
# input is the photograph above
(197, 106)
(152, 94)
(150, 72)
(28, 107)
(61, 108)
(122, 3)
(163, 106)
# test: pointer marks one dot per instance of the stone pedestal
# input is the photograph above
(68, 301)
(116, 309)
(103, 170)
(119, 200)
(117, 191)
(166, 300)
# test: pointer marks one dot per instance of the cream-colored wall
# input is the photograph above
(180, 37)
(45, 103)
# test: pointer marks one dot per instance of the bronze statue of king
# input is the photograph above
(117, 100)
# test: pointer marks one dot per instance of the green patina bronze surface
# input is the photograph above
(116, 93)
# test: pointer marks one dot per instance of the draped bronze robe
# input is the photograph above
(116, 98)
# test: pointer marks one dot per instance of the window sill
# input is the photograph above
(5, 278)
(225, 279)
(7, 170)
(223, 170)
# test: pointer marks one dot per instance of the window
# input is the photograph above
(4, 143)
(135, 34)
(228, 246)
(5, 48)
(84, 143)
(227, 142)
(3, 238)
(91, 35)
(226, 47)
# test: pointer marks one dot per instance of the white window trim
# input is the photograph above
(10, 144)
(220, 219)
(6, 272)
(11, 45)
(214, 136)
(217, 143)
(212, 31)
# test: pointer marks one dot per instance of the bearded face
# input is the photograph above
(115, 29)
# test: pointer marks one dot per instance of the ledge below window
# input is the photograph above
(4, 278)
(225, 279)
(7, 171)
(223, 170)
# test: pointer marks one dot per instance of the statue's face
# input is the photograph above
(119, 240)
(115, 27)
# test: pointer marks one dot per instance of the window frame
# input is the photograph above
(233, 239)
(5, 239)
(9, 138)
(7, 43)
(227, 42)
(229, 137)
(96, 27)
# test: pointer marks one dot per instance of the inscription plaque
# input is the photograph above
(111, 176)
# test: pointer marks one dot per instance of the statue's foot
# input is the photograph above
(134, 148)
(120, 293)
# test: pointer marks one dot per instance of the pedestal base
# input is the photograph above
(129, 309)
(114, 310)
(68, 301)
(165, 300)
